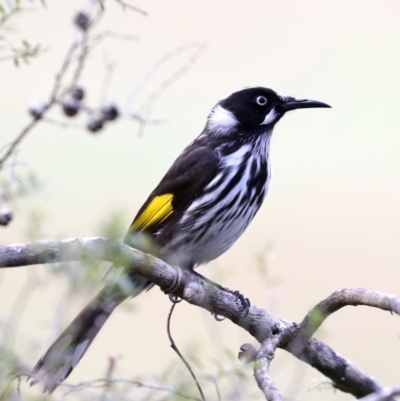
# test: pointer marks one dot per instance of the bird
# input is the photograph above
(201, 206)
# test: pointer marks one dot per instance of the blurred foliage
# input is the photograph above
(84, 277)
(114, 225)
(9, 365)
(24, 52)
(26, 184)
(35, 221)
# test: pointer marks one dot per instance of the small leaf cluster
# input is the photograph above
(25, 51)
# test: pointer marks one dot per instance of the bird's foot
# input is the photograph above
(244, 302)
(174, 298)
(173, 287)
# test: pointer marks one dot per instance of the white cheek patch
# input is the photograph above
(222, 121)
(270, 117)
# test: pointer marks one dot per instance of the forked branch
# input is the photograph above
(266, 328)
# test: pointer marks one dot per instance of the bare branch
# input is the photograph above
(125, 4)
(7, 57)
(336, 301)
(83, 52)
(106, 382)
(53, 96)
(97, 39)
(382, 395)
(155, 67)
(173, 77)
(110, 68)
(17, 141)
(11, 177)
(60, 75)
(80, 43)
(261, 361)
(259, 323)
(61, 124)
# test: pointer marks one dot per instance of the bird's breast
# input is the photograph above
(223, 210)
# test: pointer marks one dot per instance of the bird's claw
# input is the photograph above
(244, 302)
(174, 299)
(218, 318)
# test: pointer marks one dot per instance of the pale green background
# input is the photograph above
(332, 212)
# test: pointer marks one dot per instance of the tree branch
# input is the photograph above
(259, 323)
(339, 299)
(382, 395)
(261, 361)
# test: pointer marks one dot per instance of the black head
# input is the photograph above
(254, 107)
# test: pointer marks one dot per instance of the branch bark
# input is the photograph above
(261, 361)
(383, 395)
(259, 323)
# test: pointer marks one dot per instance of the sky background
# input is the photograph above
(332, 212)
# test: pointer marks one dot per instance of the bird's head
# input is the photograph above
(253, 108)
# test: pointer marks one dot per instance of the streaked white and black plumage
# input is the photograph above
(198, 210)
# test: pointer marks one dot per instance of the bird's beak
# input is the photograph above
(291, 103)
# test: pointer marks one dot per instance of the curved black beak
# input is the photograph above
(291, 103)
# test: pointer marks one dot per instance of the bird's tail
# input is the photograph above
(65, 353)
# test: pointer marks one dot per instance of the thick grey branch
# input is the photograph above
(383, 394)
(259, 323)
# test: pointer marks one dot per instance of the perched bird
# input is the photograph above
(199, 209)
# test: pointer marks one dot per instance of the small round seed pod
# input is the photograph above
(71, 107)
(95, 123)
(110, 112)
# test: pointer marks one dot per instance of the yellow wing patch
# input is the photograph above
(156, 212)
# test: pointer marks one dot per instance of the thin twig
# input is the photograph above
(11, 177)
(17, 141)
(104, 382)
(60, 75)
(172, 78)
(142, 120)
(60, 124)
(145, 108)
(19, 306)
(124, 4)
(82, 57)
(7, 57)
(216, 389)
(97, 39)
(175, 348)
(154, 68)
(110, 68)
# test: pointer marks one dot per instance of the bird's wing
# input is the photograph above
(190, 173)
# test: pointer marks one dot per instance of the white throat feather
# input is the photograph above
(221, 121)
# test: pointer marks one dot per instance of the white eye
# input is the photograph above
(261, 100)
